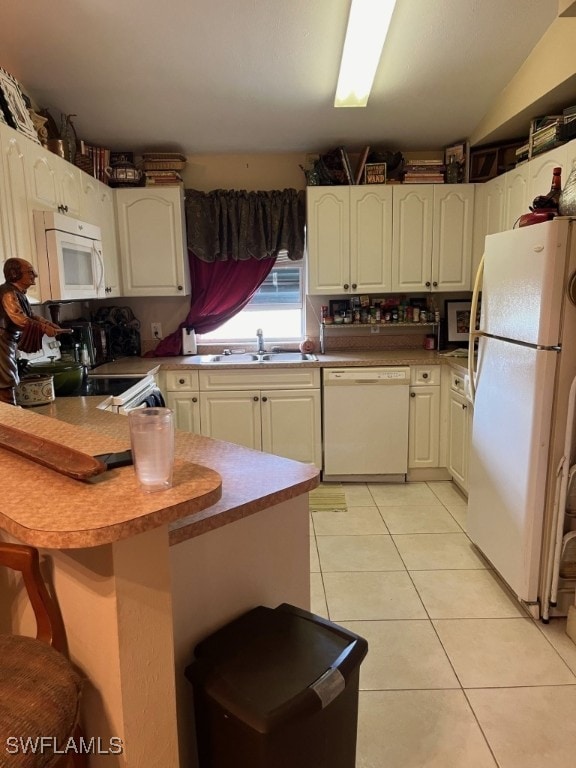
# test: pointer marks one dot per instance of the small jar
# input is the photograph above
(430, 341)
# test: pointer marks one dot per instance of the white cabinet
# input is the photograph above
(97, 207)
(20, 228)
(432, 237)
(459, 431)
(277, 411)
(424, 417)
(54, 183)
(488, 218)
(349, 233)
(152, 241)
(183, 397)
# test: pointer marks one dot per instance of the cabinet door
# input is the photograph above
(371, 238)
(412, 237)
(328, 239)
(19, 214)
(152, 240)
(291, 425)
(516, 198)
(452, 237)
(232, 416)
(458, 440)
(424, 428)
(540, 171)
(54, 183)
(186, 407)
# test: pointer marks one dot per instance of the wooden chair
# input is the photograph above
(39, 689)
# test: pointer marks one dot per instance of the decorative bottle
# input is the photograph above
(567, 199)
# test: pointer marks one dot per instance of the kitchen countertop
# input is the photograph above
(143, 365)
(216, 482)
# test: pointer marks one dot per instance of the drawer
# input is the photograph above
(181, 381)
(458, 382)
(267, 378)
(424, 375)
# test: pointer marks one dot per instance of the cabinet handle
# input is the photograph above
(194, 399)
(255, 398)
(424, 375)
(181, 381)
(412, 394)
(180, 288)
(354, 286)
(346, 286)
(264, 399)
(435, 284)
(428, 284)
(457, 382)
(464, 407)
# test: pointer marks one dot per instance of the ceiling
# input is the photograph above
(255, 76)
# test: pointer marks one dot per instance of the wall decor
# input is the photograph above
(375, 173)
(14, 106)
(458, 320)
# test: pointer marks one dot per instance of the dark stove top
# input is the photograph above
(104, 386)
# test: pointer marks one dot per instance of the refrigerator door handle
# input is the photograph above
(473, 333)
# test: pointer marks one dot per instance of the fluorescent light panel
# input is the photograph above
(367, 29)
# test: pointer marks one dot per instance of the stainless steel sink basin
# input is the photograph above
(289, 357)
(232, 358)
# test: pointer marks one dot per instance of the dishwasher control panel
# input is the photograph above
(385, 375)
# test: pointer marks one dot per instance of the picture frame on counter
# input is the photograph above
(457, 315)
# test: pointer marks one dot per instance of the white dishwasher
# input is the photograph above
(365, 423)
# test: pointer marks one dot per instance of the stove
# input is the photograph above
(104, 386)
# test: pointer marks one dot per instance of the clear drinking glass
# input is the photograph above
(152, 439)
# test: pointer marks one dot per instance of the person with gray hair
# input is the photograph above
(20, 328)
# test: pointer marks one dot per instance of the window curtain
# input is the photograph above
(234, 238)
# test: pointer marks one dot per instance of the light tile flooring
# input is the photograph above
(457, 675)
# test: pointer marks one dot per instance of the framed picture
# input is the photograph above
(457, 321)
(338, 306)
(375, 173)
(14, 106)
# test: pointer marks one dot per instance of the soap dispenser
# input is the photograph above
(189, 346)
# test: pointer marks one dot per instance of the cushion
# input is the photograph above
(39, 697)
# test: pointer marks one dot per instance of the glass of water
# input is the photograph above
(152, 439)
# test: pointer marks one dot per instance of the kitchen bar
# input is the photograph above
(141, 578)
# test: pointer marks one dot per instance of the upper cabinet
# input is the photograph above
(432, 237)
(152, 241)
(54, 183)
(349, 239)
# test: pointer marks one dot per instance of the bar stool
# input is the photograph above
(39, 689)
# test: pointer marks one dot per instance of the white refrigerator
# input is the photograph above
(525, 364)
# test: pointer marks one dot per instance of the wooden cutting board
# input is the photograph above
(49, 454)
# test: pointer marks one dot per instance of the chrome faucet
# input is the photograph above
(260, 340)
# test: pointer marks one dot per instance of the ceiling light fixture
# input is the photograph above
(367, 29)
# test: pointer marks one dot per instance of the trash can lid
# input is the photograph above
(268, 657)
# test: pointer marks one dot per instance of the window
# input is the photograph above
(276, 307)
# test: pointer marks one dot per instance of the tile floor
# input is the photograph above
(457, 675)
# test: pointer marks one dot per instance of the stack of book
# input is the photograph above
(93, 160)
(569, 127)
(163, 168)
(424, 172)
(545, 133)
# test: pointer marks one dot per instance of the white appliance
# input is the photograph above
(525, 365)
(366, 423)
(69, 254)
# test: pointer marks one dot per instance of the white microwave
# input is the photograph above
(69, 254)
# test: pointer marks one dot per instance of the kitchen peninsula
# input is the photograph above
(140, 578)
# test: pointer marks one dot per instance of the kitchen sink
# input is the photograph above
(268, 357)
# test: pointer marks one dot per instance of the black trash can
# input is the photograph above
(277, 688)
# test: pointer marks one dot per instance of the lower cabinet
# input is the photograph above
(183, 397)
(459, 431)
(277, 411)
(424, 417)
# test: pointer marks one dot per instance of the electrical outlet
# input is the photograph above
(156, 330)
